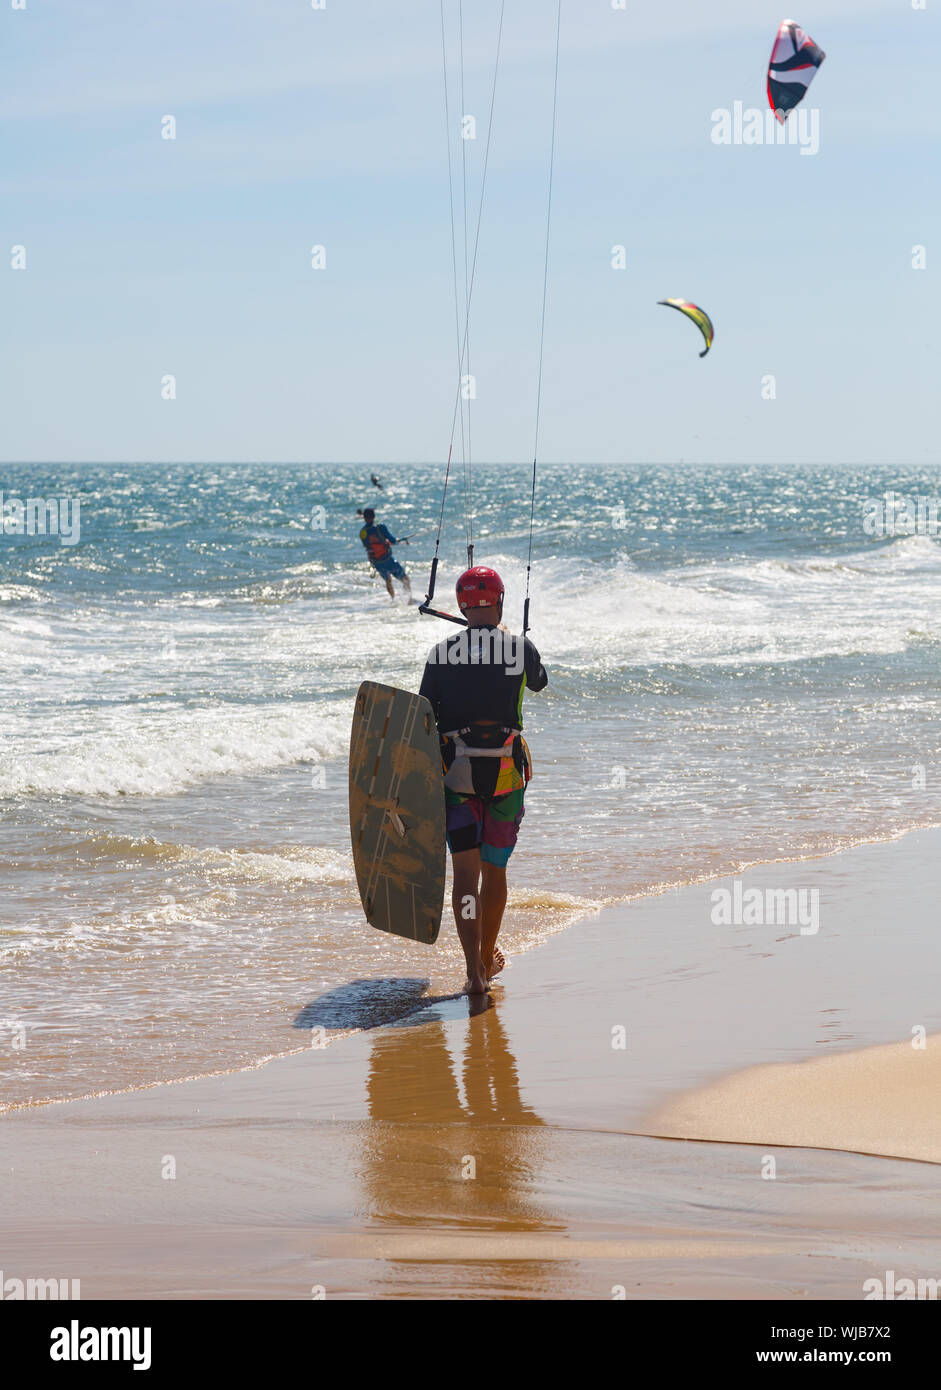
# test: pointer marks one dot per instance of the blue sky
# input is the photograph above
(298, 126)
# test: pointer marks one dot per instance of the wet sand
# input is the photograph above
(506, 1154)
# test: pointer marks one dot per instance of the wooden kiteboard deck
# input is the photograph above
(397, 811)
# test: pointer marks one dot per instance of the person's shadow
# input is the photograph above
(367, 1004)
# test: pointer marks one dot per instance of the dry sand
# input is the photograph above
(497, 1155)
(877, 1101)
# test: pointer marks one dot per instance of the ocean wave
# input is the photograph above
(19, 625)
(20, 593)
(159, 755)
(525, 899)
(601, 618)
(287, 864)
(903, 551)
(120, 927)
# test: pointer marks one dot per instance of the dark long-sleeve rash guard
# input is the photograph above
(479, 676)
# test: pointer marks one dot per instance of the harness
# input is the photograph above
(516, 766)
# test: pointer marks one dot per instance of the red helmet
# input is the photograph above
(480, 587)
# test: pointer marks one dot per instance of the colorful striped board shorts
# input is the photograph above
(490, 824)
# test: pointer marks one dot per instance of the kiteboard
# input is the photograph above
(397, 811)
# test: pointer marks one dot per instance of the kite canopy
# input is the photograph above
(699, 316)
(795, 59)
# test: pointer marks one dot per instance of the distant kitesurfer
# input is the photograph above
(475, 682)
(378, 542)
(375, 481)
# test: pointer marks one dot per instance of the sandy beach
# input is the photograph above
(605, 1126)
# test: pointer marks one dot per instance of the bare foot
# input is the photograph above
(476, 984)
(499, 961)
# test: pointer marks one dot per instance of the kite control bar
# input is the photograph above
(436, 613)
(426, 606)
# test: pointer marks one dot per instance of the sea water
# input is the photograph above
(740, 670)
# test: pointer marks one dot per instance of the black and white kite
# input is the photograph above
(795, 59)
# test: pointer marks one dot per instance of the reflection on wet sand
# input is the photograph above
(454, 1148)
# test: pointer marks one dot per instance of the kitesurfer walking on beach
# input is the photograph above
(378, 542)
(475, 682)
